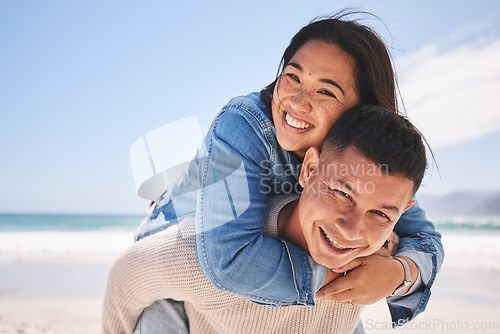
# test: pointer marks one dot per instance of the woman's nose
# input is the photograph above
(301, 101)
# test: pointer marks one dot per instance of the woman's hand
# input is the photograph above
(369, 280)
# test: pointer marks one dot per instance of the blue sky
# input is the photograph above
(81, 81)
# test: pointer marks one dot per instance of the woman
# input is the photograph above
(254, 149)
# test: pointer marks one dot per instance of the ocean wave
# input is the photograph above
(463, 250)
(472, 251)
(48, 244)
(53, 222)
(479, 223)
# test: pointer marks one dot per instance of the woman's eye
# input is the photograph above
(293, 77)
(327, 93)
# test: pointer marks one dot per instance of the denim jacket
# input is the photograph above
(226, 186)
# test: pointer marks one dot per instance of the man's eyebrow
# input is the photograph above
(350, 187)
(346, 184)
(328, 81)
(390, 207)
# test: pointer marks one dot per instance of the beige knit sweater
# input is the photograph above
(164, 265)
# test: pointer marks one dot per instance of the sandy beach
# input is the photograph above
(460, 303)
(52, 295)
(64, 295)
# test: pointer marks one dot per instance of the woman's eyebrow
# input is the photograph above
(333, 83)
(327, 81)
(297, 66)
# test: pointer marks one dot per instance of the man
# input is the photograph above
(356, 186)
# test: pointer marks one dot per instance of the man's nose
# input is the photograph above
(301, 101)
(351, 225)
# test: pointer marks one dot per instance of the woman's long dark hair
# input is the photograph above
(374, 75)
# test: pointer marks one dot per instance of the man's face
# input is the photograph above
(349, 206)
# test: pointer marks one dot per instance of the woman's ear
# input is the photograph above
(309, 165)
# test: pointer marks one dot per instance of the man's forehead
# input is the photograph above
(343, 168)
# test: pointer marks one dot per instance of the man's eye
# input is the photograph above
(293, 77)
(381, 214)
(343, 194)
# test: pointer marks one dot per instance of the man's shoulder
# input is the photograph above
(178, 238)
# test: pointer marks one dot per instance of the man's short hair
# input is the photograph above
(386, 138)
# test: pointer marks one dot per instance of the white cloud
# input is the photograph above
(452, 93)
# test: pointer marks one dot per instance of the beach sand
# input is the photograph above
(65, 296)
(461, 302)
(52, 295)
(50, 315)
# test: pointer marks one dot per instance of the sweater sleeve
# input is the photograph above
(152, 269)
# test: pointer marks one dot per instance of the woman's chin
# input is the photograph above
(287, 144)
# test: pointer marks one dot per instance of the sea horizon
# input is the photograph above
(129, 222)
(42, 236)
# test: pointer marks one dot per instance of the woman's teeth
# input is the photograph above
(334, 243)
(296, 124)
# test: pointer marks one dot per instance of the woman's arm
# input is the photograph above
(421, 243)
(231, 248)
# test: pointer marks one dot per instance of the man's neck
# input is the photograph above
(289, 226)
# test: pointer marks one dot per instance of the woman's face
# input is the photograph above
(316, 87)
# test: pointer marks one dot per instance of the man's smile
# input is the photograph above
(333, 246)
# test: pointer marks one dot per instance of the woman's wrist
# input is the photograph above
(330, 276)
(401, 274)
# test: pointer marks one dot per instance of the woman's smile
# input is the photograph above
(294, 124)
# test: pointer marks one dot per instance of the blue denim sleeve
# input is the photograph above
(231, 211)
(421, 243)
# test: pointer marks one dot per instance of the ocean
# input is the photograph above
(470, 243)
(46, 236)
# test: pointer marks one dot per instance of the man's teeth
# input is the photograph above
(296, 124)
(335, 243)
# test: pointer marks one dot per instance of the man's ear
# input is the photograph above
(409, 205)
(309, 165)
